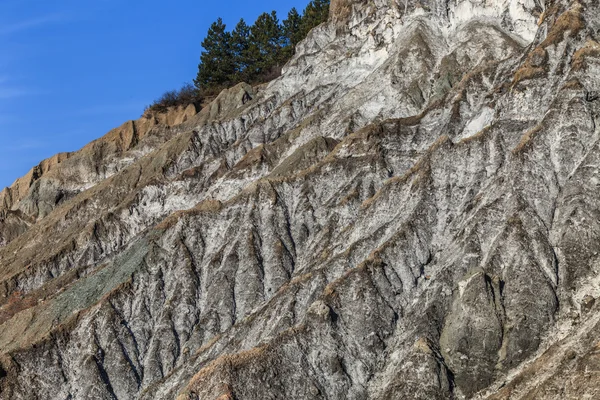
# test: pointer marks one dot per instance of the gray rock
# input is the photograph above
(409, 211)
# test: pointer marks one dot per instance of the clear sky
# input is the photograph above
(70, 70)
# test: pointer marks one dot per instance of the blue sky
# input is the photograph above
(70, 70)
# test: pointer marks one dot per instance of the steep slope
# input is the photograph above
(408, 212)
(63, 176)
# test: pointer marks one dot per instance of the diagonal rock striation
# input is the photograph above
(409, 211)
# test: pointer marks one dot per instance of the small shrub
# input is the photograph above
(188, 94)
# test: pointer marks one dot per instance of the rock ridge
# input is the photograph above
(409, 211)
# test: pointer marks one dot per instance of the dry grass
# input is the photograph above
(527, 72)
(18, 302)
(225, 364)
(590, 50)
(423, 346)
(534, 66)
(252, 158)
(527, 138)
(340, 11)
(573, 84)
(353, 195)
(478, 136)
(472, 77)
(419, 167)
(207, 206)
(567, 24)
(571, 22)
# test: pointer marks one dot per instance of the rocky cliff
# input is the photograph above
(409, 212)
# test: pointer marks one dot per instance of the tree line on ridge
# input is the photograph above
(249, 53)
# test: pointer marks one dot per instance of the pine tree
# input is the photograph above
(291, 33)
(216, 61)
(291, 28)
(257, 53)
(266, 42)
(315, 13)
(240, 38)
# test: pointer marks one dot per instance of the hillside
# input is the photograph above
(409, 212)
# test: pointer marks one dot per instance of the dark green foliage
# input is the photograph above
(188, 94)
(217, 64)
(256, 53)
(315, 13)
(240, 45)
(291, 32)
(266, 43)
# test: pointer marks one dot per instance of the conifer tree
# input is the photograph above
(291, 28)
(216, 61)
(257, 53)
(266, 42)
(315, 13)
(240, 44)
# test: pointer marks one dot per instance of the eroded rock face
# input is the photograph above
(410, 211)
(65, 175)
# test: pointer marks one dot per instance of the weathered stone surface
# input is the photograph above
(410, 211)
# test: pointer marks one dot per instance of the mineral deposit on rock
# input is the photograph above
(411, 211)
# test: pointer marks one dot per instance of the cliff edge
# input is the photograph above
(409, 211)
